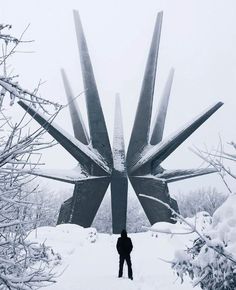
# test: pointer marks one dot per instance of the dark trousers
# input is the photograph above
(128, 261)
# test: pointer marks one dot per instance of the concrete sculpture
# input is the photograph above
(99, 165)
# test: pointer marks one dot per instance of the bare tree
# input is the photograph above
(222, 160)
(203, 199)
(44, 205)
(23, 265)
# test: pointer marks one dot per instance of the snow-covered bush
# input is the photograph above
(70, 234)
(211, 260)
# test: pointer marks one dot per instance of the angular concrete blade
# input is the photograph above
(161, 151)
(79, 128)
(159, 122)
(119, 180)
(140, 133)
(65, 212)
(65, 175)
(97, 127)
(180, 174)
(78, 150)
(149, 185)
(87, 197)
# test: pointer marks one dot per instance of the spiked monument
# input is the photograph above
(99, 165)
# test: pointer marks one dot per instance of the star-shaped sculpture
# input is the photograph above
(99, 165)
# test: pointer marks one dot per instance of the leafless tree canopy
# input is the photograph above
(204, 199)
(23, 265)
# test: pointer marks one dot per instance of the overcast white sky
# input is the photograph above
(198, 40)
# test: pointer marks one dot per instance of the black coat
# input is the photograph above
(124, 246)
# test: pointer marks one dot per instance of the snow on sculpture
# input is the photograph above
(99, 165)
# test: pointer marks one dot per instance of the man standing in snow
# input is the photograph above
(124, 247)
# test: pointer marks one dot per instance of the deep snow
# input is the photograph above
(90, 260)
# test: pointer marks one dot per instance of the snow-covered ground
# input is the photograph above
(90, 260)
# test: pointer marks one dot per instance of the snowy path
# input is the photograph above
(94, 266)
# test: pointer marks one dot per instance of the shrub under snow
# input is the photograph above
(211, 261)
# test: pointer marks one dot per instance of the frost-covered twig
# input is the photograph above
(216, 163)
(7, 38)
(18, 92)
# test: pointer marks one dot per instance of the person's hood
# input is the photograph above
(124, 234)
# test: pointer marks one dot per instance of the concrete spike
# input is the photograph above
(65, 211)
(86, 157)
(161, 151)
(64, 175)
(159, 123)
(97, 127)
(119, 163)
(181, 174)
(87, 197)
(79, 128)
(119, 180)
(140, 133)
(154, 187)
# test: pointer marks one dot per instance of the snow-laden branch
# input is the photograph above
(166, 231)
(22, 94)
